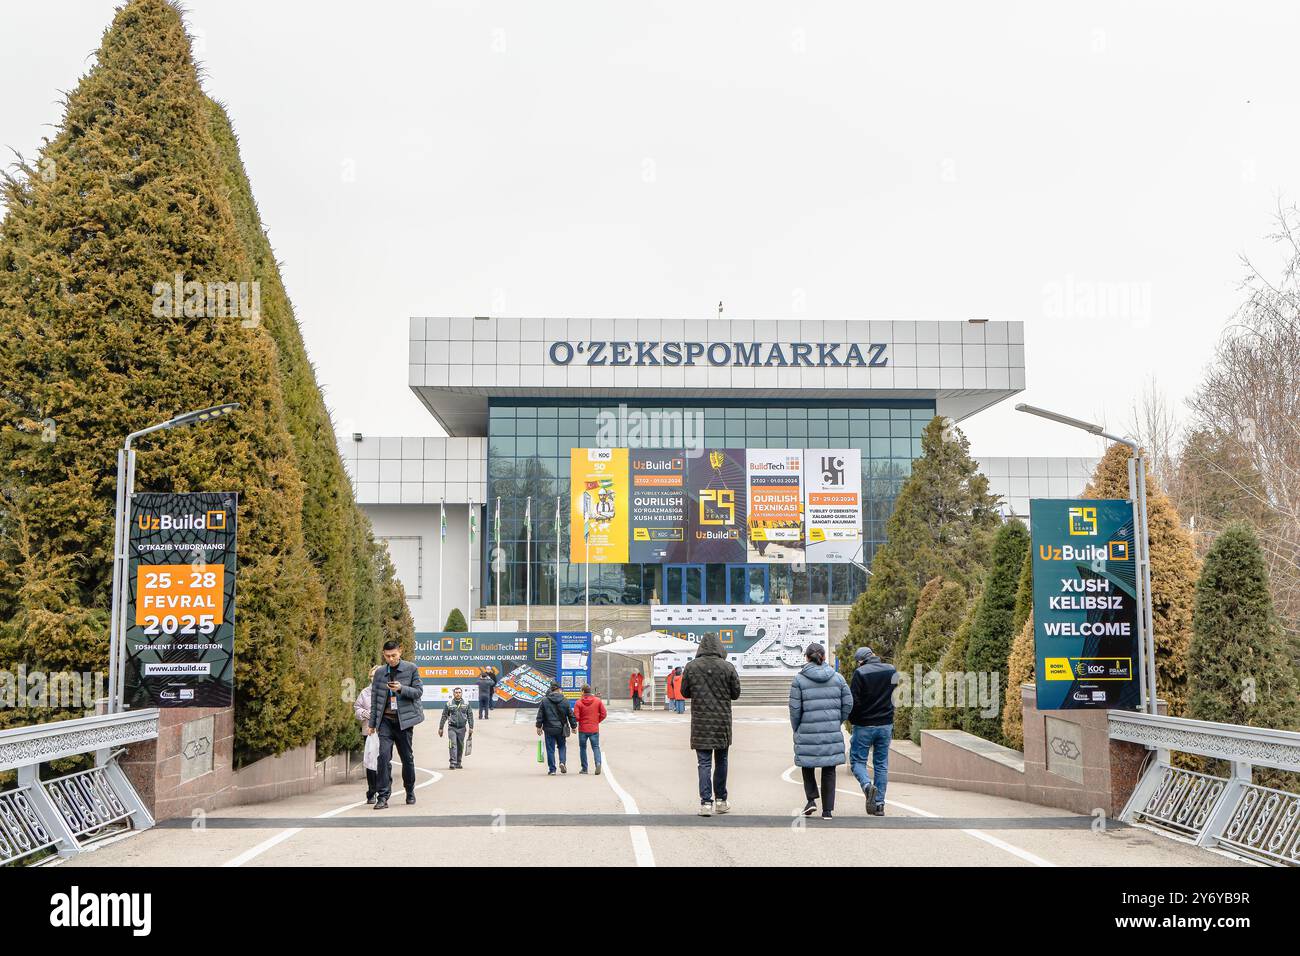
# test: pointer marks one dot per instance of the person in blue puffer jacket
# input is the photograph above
(820, 702)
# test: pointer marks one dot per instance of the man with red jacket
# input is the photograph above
(589, 711)
(636, 684)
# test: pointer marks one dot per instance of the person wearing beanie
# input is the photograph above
(872, 718)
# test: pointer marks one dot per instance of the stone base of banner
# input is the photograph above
(1069, 761)
(190, 766)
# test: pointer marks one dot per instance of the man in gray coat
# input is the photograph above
(395, 709)
(820, 702)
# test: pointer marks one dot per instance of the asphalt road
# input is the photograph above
(503, 808)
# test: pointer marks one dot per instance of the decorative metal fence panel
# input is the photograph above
(21, 832)
(1228, 812)
(86, 801)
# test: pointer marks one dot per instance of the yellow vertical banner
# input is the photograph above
(598, 505)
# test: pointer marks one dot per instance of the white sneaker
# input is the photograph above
(706, 809)
(721, 806)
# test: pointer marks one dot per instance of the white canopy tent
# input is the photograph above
(643, 647)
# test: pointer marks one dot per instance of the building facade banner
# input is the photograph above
(180, 613)
(525, 664)
(717, 506)
(764, 640)
(598, 506)
(774, 505)
(1085, 604)
(658, 508)
(833, 504)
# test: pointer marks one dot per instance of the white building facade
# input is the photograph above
(515, 395)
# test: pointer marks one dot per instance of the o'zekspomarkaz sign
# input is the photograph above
(180, 635)
(1085, 603)
(740, 354)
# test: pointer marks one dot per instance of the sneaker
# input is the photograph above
(550, 773)
(826, 815)
(381, 805)
(706, 808)
(410, 799)
(583, 770)
(597, 770)
(869, 791)
(880, 810)
(563, 769)
(721, 806)
(370, 798)
(810, 808)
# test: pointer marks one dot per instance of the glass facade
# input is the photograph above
(528, 455)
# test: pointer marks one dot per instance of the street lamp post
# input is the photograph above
(1137, 492)
(121, 534)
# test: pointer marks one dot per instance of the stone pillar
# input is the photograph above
(191, 764)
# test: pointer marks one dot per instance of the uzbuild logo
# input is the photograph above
(190, 521)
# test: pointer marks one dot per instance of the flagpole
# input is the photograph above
(442, 540)
(469, 574)
(496, 557)
(528, 564)
(586, 567)
(557, 562)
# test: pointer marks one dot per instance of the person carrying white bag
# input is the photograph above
(370, 756)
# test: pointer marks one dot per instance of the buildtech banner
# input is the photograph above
(833, 505)
(525, 664)
(180, 614)
(658, 515)
(717, 505)
(775, 505)
(598, 506)
(1085, 603)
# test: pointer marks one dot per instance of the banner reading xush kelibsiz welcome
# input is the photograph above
(738, 354)
(717, 506)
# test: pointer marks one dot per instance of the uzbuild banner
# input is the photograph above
(658, 514)
(833, 504)
(775, 505)
(716, 485)
(598, 506)
(524, 663)
(180, 614)
(1085, 603)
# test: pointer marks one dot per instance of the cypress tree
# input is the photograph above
(953, 662)
(939, 615)
(1240, 671)
(1173, 574)
(127, 196)
(1020, 662)
(990, 634)
(456, 622)
(942, 525)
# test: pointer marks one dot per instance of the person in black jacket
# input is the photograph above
(872, 719)
(710, 683)
(487, 685)
(555, 719)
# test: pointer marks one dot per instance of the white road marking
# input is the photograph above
(977, 834)
(283, 835)
(640, 838)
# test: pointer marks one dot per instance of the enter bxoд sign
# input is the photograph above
(524, 662)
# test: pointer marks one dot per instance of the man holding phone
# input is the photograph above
(395, 709)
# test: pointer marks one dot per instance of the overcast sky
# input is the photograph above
(1095, 173)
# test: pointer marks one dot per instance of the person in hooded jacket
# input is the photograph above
(710, 683)
(820, 702)
(675, 698)
(555, 720)
(589, 711)
(487, 685)
(635, 684)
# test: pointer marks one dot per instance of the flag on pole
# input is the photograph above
(442, 520)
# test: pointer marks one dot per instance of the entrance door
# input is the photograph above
(748, 584)
(684, 584)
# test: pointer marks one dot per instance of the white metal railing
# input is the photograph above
(70, 812)
(1233, 811)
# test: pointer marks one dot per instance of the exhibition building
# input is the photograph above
(629, 463)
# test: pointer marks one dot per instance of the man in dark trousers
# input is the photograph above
(555, 719)
(487, 685)
(710, 683)
(872, 719)
(395, 709)
(457, 720)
